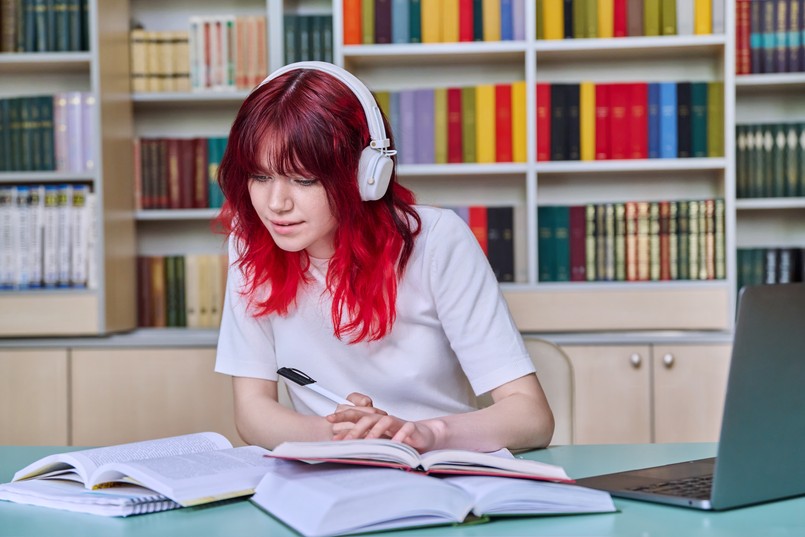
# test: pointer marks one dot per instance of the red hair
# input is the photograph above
(308, 123)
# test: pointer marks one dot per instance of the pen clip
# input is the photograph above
(295, 375)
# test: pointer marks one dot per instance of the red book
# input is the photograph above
(352, 22)
(742, 44)
(200, 182)
(503, 123)
(619, 19)
(187, 173)
(637, 112)
(454, 139)
(543, 121)
(465, 20)
(618, 124)
(479, 226)
(578, 241)
(602, 113)
(382, 21)
(138, 175)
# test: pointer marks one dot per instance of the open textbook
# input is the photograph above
(332, 499)
(164, 473)
(381, 452)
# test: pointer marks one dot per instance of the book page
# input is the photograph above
(500, 462)
(87, 461)
(332, 499)
(193, 478)
(370, 450)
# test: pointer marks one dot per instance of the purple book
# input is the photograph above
(424, 143)
(405, 131)
(518, 19)
(88, 131)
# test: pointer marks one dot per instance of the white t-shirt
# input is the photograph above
(453, 334)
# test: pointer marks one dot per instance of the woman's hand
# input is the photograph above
(422, 436)
(361, 404)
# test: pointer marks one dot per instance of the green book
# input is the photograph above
(546, 250)
(46, 132)
(181, 296)
(478, 20)
(561, 242)
(601, 242)
(469, 151)
(668, 17)
(539, 22)
(15, 132)
(694, 233)
(303, 38)
(327, 38)
(589, 243)
(719, 239)
(673, 240)
(759, 169)
(291, 40)
(580, 18)
(651, 17)
(778, 179)
(609, 241)
(368, 23)
(698, 119)
(654, 263)
(440, 125)
(715, 119)
(801, 160)
(684, 240)
(740, 161)
(415, 21)
(791, 160)
(767, 151)
(171, 292)
(33, 133)
(620, 241)
(77, 23)
(27, 133)
(5, 138)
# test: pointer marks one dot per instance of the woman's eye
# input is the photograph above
(258, 177)
(306, 182)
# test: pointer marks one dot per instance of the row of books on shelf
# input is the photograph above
(565, 19)
(44, 26)
(180, 290)
(769, 36)
(308, 38)
(177, 173)
(224, 52)
(635, 120)
(770, 265)
(632, 241)
(47, 237)
(48, 132)
(770, 160)
(493, 227)
(368, 22)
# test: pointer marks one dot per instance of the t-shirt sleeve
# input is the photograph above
(245, 343)
(471, 307)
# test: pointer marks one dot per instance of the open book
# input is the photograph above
(332, 499)
(188, 470)
(381, 452)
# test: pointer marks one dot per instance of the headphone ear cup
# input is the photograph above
(374, 174)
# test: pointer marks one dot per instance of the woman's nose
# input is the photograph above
(279, 199)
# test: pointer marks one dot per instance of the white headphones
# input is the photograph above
(375, 166)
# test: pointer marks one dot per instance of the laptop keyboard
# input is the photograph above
(698, 487)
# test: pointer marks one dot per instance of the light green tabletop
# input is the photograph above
(239, 518)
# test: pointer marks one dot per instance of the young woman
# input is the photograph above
(348, 281)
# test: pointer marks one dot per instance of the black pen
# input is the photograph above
(304, 380)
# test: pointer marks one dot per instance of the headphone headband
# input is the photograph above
(377, 131)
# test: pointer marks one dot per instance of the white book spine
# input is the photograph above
(196, 52)
(22, 236)
(64, 234)
(50, 234)
(212, 35)
(91, 212)
(75, 153)
(80, 236)
(7, 259)
(60, 139)
(88, 123)
(231, 51)
(684, 17)
(718, 17)
(36, 203)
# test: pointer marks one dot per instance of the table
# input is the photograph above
(241, 518)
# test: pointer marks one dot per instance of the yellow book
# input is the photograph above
(702, 17)
(450, 21)
(587, 120)
(383, 99)
(431, 21)
(606, 18)
(519, 133)
(491, 18)
(440, 125)
(485, 123)
(553, 19)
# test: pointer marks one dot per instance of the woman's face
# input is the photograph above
(296, 212)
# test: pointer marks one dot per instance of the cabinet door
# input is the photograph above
(690, 383)
(612, 395)
(124, 395)
(33, 397)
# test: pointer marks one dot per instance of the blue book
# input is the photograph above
(506, 20)
(424, 139)
(668, 113)
(653, 120)
(406, 131)
(400, 21)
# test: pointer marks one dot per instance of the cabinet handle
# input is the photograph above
(668, 360)
(635, 360)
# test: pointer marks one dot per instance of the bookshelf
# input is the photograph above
(109, 305)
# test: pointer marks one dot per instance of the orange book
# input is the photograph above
(587, 120)
(431, 21)
(702, 17)
(485, 123)
(450, 21)
(491, 20)
(503, 123)
(519, 129)
(352, 22)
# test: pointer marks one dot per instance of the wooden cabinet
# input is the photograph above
(124, 395)
(648, 393)
(33, 397)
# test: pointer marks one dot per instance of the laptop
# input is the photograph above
(761, 450)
